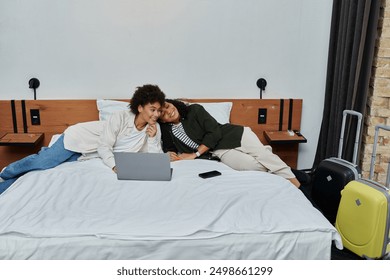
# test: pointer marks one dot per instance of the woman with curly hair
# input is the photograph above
(134, 130)
(189, 132)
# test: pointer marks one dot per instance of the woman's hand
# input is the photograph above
(151, 130)
(173, 156)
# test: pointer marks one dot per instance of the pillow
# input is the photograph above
(218, 110)
(107, 107)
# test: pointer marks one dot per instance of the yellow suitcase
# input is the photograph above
(364, 212)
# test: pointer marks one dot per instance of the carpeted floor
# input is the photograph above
(344, 254)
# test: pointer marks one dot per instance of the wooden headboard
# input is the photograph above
(57, 115)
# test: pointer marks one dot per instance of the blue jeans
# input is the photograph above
(45, 159)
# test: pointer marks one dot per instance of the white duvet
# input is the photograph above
(82, 199)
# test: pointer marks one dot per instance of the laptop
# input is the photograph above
(143, 166)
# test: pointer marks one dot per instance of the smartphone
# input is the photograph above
(209, 174)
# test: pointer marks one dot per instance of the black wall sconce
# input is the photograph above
(34, 84)
(261, 84)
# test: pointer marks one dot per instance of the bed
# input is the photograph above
(79, 210)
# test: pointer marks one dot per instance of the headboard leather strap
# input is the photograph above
(281, 109)
(24, 116)
(290, 114)
(14, 121)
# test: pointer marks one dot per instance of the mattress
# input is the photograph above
(80, 210)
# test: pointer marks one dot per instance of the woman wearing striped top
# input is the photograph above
(190, 132)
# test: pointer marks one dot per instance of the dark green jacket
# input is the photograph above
(202, 128)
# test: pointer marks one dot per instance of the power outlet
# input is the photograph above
(35, 118)
(262, 117)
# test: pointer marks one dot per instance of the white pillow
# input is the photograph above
(107, 107)
(218, 110)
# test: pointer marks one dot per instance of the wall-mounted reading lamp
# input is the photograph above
(34, 84)
(261, 84)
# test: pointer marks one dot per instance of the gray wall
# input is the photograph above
(82, 49)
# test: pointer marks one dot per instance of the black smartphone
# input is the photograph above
(209, 174)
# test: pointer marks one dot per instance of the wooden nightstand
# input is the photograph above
(283, 137)
(20, 139)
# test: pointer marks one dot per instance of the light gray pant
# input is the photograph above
(253, 155)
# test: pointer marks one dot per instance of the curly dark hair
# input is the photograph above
(181, 107)
(144, 95)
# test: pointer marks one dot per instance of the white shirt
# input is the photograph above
(120, 133)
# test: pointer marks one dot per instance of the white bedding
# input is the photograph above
(80, 210)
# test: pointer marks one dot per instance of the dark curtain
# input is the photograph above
(351, 50)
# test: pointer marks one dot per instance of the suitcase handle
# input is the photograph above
(378, 185)
(388, 176)
(373, 157)
(357, 136)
